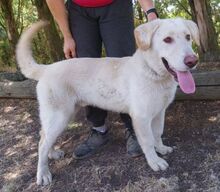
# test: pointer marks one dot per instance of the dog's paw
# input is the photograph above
(163, 149)
(56, 154)
(158, 164)
(44, 177)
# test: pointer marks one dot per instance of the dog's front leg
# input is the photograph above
(157, 128)
(143, 130)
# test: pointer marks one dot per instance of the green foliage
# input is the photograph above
(173, 8)
(40, 48)
(25, 13)
(215, 4)
(181, 8)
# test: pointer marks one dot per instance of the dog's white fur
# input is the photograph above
(139, 85)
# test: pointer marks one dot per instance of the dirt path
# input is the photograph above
(192, 127)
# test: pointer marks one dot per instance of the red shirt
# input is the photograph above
(92, 3)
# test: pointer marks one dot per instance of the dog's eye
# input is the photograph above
(168, 40)
(188, 37)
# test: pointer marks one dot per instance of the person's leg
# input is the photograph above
(96, 116)
(85, 30)
(117, 32)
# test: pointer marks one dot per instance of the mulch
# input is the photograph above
(192, 127)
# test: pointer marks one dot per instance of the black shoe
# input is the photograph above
(133, 147)
(94, 142)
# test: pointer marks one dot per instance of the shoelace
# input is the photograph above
(130, 133)
(94, 132)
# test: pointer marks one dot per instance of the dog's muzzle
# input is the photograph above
(184, 78)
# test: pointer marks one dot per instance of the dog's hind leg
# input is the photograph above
(53, 123)
(158, 127)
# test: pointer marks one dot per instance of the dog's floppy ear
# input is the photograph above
(143, 34)
(194, 30)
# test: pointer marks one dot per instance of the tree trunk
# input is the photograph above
(11, 25)
(201, 11)
(55, 43)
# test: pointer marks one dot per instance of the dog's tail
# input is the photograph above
(29, 67)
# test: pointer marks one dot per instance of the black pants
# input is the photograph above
(111, 26)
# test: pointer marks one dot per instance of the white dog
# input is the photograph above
(142, 85)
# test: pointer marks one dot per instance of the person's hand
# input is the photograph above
(151, 16)
(69, 48)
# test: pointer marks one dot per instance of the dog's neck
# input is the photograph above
(150, 72)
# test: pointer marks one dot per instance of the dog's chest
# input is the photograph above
(169, 93)
(162, 96)
(168, 96)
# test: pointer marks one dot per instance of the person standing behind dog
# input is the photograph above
(86, 25)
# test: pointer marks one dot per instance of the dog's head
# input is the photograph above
(171, 41)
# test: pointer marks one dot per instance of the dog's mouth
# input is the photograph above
(184, 78)
(171, 71)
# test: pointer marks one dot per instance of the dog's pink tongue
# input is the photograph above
(186, 82)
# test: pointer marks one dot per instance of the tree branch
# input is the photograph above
(184, 8)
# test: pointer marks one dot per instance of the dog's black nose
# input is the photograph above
(191, 61)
